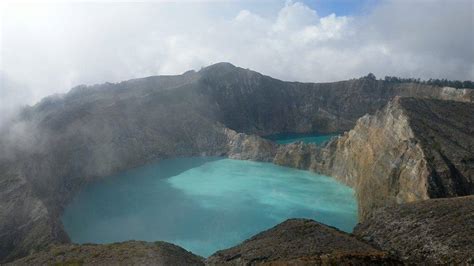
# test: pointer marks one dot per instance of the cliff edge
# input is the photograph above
(411, 150)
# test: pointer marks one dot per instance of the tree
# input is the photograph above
(371, 76)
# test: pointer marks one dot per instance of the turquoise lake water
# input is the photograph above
(286, 138)
(204, 204)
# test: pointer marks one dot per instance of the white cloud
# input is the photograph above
(51, 47)
(294, 16)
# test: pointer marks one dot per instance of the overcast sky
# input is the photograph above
(47, 48)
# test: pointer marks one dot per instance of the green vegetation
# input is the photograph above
(467, 84)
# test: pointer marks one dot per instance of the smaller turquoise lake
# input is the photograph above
(287, 138)
(204, 204)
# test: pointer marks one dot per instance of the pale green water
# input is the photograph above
(204, 204)
(286, 138)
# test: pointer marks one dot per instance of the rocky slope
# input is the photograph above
(52, 149)
(124, 253)
(301, 242)
(445, 131)
(436, 231)
(413, 149)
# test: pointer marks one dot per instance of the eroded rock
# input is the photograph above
(435, 231)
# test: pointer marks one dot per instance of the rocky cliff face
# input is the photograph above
(381, 159)
(435, 231)
(445, 131)
(411, 150)
(52, 149)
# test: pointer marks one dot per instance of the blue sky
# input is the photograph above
(342, 7)
(323, 7)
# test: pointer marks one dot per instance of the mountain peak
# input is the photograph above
(221, 65)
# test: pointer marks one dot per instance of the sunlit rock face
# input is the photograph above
(411, 150)
(381, 159)
(204, 204)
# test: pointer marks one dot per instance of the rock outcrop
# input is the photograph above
(52, 149)
(249, 147)
(411, 150)
(124, 253)
(301, 242)
(435, 231)
(381, 159)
